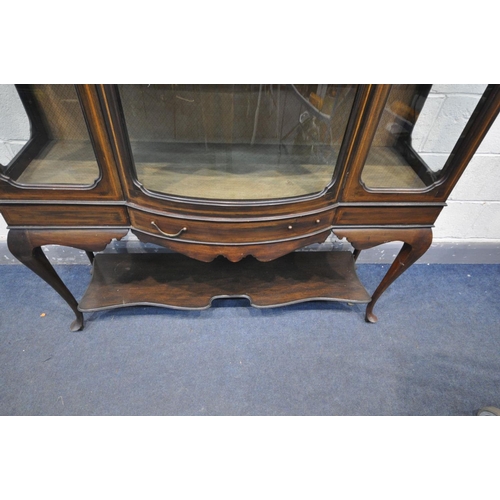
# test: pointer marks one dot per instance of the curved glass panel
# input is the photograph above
(418, 130)
(43, 136)
(236, 142)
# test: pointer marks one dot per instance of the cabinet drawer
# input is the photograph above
(207, 231)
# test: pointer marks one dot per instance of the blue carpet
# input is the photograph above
(434, 351)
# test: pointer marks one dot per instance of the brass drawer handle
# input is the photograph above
(168, 234)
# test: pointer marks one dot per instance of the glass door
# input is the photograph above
(420, 139)
(49, 135)
(235, 142)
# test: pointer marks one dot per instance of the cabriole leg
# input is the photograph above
(33, 257)
(415, 243)
(407, 256)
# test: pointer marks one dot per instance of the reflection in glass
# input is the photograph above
(419, 127)
(54, 147)
(235, 142)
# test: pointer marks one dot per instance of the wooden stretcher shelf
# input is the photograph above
(176, 281)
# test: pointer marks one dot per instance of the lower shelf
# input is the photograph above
(176, 281)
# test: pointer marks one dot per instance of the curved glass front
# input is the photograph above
(417, 132)
(43, 137)
(236, 142)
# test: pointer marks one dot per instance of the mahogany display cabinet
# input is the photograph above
(233, 179)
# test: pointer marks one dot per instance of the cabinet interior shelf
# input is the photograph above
(219, 171)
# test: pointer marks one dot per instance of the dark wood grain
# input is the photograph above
(89, 240)
(26, 245)
(64, 215)
(32, 256)
(387, 215)
(245, 231)
(233, 252)
(176, 281)
(89, 217)
(415, 243)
